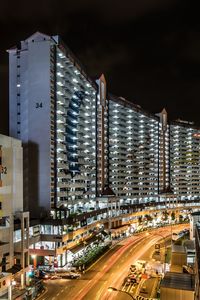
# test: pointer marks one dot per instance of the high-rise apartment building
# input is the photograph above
(185, 160)
(88, 153)
(133, 151)
(53, 112)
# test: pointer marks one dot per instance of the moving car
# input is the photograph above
(132, 279)
(127, 281)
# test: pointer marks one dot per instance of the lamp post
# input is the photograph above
(112, 289)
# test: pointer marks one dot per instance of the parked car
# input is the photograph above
(70, 275)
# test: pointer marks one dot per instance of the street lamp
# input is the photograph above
(112, 289)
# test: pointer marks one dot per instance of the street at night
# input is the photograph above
(110, 270)
(100, 150)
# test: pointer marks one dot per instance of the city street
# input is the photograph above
(110, 270)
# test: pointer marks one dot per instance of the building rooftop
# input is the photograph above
(178, 281)
(178, 248)
(189, 245)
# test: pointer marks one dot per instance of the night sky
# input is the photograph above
(149, 50)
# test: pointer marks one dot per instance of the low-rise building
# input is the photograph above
(14, 222)
(175, 286)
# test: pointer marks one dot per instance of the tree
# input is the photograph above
(140, 220)
(180, 218)
(165, 215)
(173, 216)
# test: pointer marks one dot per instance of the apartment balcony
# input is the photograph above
(75, 193)
(63, 175)
(61, 136)
(61, 101)
(61, 184)
(62, 165)
(61, 119)
(80, 177)
(61, 156)
(62, 194)
(61, 109)
(61, 147)
(61, 127)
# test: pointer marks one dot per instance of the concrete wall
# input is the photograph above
(173, 294)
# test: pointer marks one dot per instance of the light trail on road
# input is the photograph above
(109, 270)
(105, 269)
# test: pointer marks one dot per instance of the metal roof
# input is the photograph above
(178, 281)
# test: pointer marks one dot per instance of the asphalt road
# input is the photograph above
(108, 271)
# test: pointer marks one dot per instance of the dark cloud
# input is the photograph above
(110, 10)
